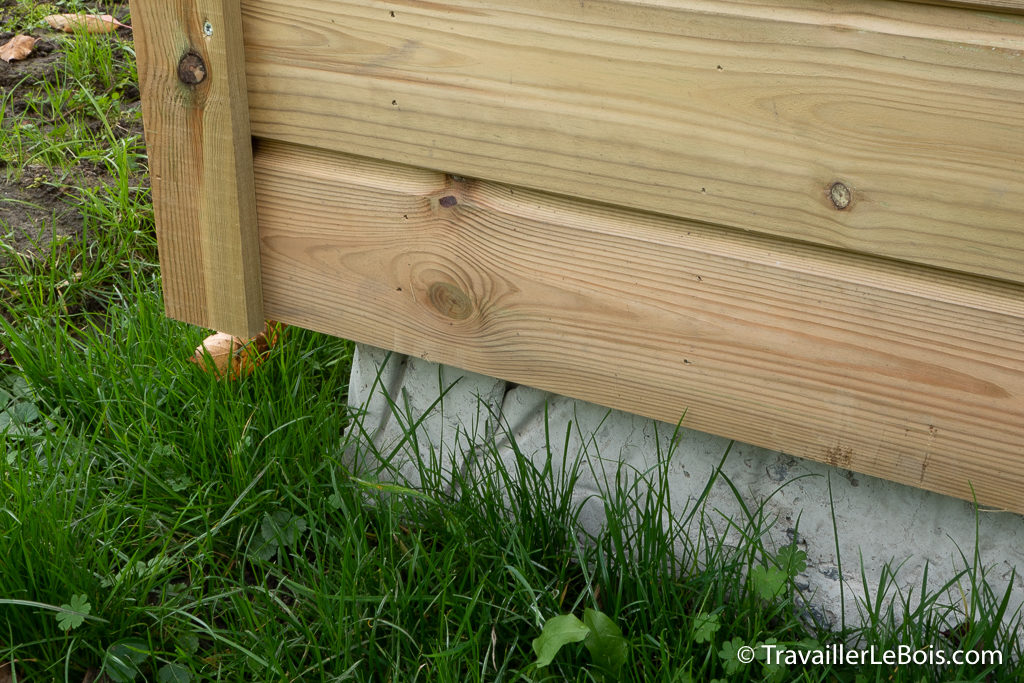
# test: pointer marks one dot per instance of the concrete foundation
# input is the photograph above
(878, 521)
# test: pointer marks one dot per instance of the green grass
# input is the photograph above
(221, 529)
(162, 525)
(75, 115)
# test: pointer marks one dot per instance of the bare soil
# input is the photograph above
(35, 205)
(31, 211)
(31, 216)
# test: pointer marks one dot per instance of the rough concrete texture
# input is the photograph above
(878, 521)
(451, 409)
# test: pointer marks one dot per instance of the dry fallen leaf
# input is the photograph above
(228, 356)
(90, 23)
(273, 334)
(17, 48)
(225, 355)
(63, 284)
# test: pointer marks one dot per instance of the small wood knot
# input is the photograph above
(840, 195)
(450, 301)
(191, 69)
(448, 202)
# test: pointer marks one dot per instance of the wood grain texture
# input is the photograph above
(907, 373)
(734, 112)
(1012, 6)
(200, 155)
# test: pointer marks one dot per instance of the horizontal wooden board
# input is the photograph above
(741, 113)
(907, 373)
(1013, 6)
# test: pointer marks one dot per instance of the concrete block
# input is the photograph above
(411, 406)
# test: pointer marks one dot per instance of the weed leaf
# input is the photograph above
(279, 530)
(282, 527)
(23, 412)
(20, 388)
(173, 673)
(558, 631)
(705, 626)
(729, 654)
(767, 582)
(608, 648)
(72, 615)
(187, 643)
(791, 560)
(122, 659)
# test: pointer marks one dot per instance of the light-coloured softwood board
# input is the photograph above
(200, 155)
(1013, 6)
(741, 113)
(907, 373)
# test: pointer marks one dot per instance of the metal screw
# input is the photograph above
(208, 29)
(840, 195)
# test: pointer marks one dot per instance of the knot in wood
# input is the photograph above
(450, 301)
(191, 69)
(840, 195)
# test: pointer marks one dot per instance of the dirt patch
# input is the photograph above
(37, 204)
(32, 215)
(41, 66)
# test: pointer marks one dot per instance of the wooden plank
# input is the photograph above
(1014, 6)
(742, 113)
(902, 372)
(192, 78)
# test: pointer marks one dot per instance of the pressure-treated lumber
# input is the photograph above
(736, 112)
(1014, 6)
(903, 372)
(192, 78)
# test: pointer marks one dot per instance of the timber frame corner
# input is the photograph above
(799, 222)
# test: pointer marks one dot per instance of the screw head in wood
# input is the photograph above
(840, 195)
(191, 69)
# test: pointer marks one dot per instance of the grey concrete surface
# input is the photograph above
(878, 521)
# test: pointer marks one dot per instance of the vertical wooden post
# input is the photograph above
(194, 102)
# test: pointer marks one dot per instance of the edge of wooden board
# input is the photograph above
(907, 373)
(1009, 6)
(194, 100)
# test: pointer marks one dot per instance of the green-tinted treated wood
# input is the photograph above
(741, 113)
(200, 151)
(901, 372)
(1013, 6)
